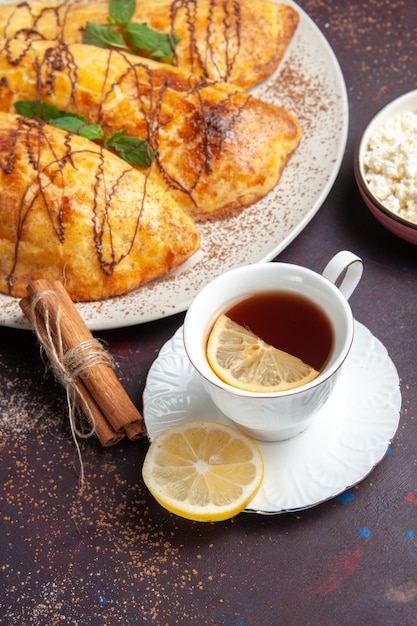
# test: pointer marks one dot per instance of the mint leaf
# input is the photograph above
(103, 36)
(131, 149)
(77, 124)
(122, 11)
(156, 45)
(121, 33)
(37, 108)
(94, 132)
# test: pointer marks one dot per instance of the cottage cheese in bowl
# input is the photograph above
(390, 165)
(386, 166)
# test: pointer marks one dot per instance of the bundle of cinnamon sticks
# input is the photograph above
(97, 391)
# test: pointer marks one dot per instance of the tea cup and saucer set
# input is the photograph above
(318, 439)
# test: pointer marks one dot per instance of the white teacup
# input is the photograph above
(282, 415)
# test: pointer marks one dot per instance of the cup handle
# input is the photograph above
(345, 271)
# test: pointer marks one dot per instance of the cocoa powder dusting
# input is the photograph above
(301, 93)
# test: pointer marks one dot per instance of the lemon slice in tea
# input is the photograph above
(203, 471)
(241, 359)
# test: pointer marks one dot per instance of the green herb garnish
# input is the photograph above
(131, 149)
(148, 42)
(122, 11)
(72, 122)
(104, 36)
(37, 108)
(121, 33)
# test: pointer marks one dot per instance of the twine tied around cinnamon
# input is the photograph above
(82, 365)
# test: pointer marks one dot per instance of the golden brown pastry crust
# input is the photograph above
(74, 212)
(217, 148)
(237, 41)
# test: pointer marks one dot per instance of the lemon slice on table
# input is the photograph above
(243, 360)
(203, 471)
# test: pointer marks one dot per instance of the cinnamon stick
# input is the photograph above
(100, 380)
(134, 431)
(103, 430)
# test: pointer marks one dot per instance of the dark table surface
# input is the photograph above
(112, 555)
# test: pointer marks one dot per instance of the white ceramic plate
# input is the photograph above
(309, 82)
(348, 437)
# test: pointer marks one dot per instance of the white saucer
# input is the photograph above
(349, 436)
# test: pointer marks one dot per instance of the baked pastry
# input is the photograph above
(237, 41)
(217, 148)
(72, 211)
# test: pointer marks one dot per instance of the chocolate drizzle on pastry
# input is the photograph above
(217, 148)
(224, 16)
(238, 41)
(72, 211)
(50, 168)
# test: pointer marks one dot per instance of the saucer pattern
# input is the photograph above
(346, 440)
